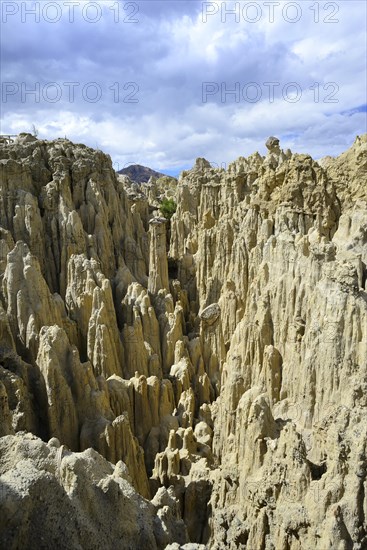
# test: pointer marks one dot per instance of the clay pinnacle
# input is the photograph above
(272, 143)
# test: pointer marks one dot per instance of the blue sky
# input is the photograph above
(160, 83)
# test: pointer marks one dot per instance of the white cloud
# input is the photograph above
(169, 54)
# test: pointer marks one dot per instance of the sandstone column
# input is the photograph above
(158, 265)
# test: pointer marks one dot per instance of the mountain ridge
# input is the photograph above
(140, 173)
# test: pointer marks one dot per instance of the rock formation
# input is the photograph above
(207, 392)
(272, 144)
(158, 265)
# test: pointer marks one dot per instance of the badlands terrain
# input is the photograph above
(198, 382)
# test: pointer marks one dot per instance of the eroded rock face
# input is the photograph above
(50, 495)
(222, 403)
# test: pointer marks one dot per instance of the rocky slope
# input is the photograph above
(217, 397)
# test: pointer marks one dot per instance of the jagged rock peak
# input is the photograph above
(201, 164)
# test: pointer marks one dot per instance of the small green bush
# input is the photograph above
(168, 208)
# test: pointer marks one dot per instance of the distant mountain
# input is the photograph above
(140, 174)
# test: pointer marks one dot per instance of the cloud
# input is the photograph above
(131, 82)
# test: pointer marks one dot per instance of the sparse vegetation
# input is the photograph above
(168, 208)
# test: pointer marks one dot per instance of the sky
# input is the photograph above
(161, 83)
